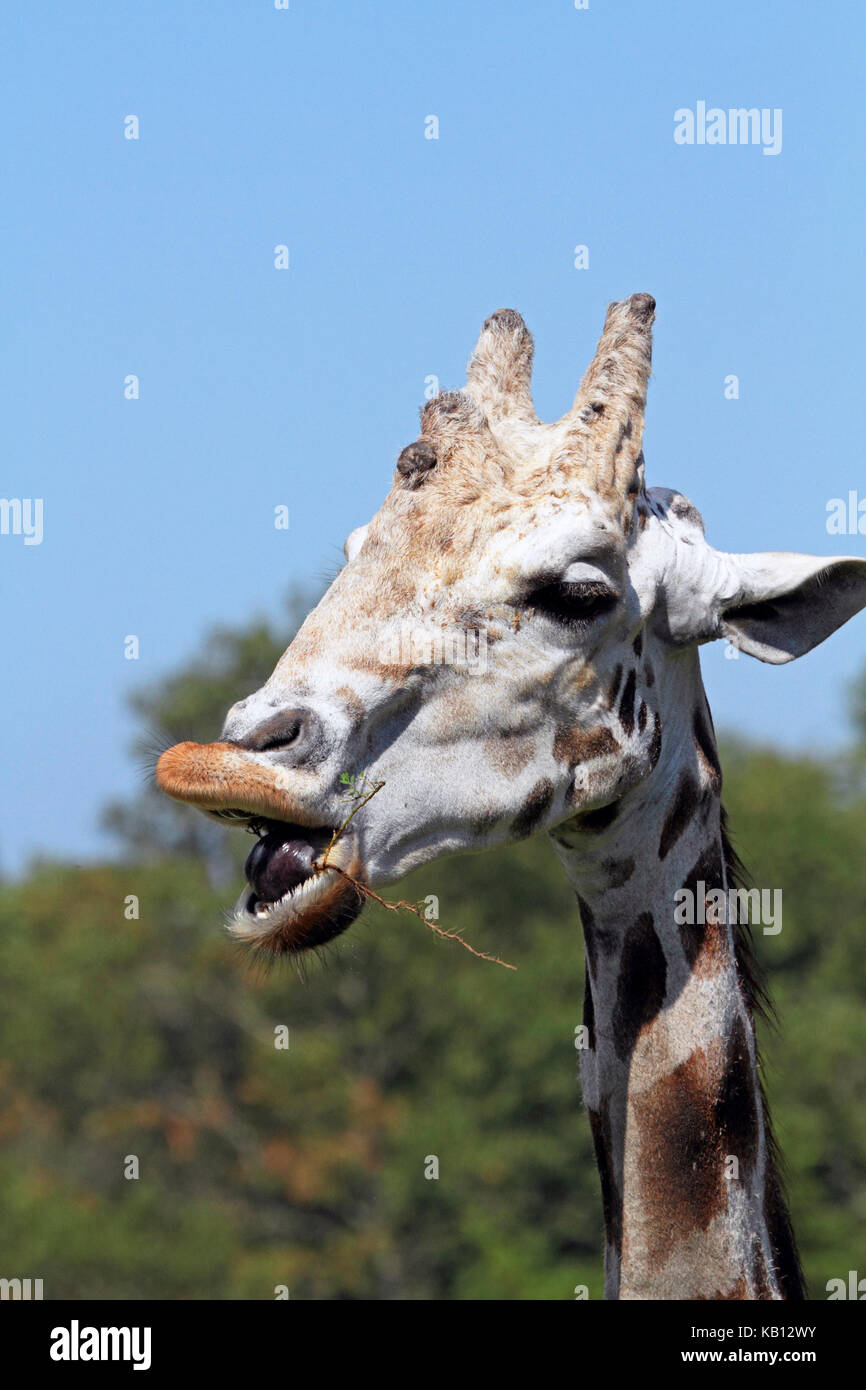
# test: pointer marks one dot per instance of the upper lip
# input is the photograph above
(231, 784)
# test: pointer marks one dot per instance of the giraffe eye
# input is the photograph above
(575, 604)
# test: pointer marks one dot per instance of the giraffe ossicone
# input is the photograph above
(590, 595)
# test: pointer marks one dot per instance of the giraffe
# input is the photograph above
(513, 647)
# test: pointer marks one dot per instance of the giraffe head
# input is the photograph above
(504, 650)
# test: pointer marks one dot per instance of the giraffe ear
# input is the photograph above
(353, 542)
(783, 605)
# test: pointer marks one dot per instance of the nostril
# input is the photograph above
(291, 730)
(288, 733)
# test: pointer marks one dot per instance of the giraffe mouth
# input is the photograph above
(302, 888)
(304, 881)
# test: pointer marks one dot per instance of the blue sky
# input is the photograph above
(261, 387)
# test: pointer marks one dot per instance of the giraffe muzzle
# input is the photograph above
(304, 879)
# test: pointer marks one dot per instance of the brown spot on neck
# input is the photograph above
(534, 808)
(737, 1102)
(705, 945)
(686, 799)
(640, 990)
(683, 1185)
(576, 746)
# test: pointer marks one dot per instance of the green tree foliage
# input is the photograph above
(304, 1166)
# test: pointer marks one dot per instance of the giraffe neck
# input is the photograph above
(669, 1068)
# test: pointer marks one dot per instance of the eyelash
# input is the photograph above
(575, 605)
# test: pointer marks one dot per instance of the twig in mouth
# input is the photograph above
(402, 905)
(338, 832)
(367, 892)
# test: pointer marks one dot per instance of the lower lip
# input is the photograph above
(308, 915)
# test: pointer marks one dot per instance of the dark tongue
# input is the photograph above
(278, 862)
